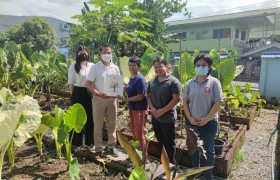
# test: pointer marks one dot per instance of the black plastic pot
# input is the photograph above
(219, 144)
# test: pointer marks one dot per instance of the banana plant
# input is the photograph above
(11, 65)
(20, 117)
(153, 171)
(53, 69)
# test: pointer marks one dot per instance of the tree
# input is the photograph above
(36, 31)
(26, 50)
(111, 22)
(158, 11)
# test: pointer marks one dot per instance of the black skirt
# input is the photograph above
(82, 96)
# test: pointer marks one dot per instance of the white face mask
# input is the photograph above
(106, 57)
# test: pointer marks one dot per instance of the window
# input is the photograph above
(236, 33)
(221, 33)
(180, 35)
(243, 35)
(218, 33)
(227, 33)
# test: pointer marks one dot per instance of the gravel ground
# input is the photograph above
(257, 155)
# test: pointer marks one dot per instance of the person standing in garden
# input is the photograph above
(163, 95)
(137, 102)
(101, 103)
(77, 78)
(202, 99)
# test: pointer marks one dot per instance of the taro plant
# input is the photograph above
(44, 126)
(153, 170)
(73, 121)
(20, 116)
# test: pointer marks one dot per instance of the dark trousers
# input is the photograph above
(207, 133)
(81, 95)
(165, 134)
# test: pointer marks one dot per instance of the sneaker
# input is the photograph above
(76, 149)
(113, 151)
(89, 148)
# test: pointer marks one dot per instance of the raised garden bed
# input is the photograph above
(242, 120)
(223, 162)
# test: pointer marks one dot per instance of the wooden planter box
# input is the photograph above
(242, 120)
(223, 162)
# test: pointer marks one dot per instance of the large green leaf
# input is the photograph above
(42, 129)
(59, 114)
(124, 68)
(46, 123)
(49, 120)
(12, 50)
(188, 71)
(6, 95)
(74, 170)
(20, 117)
(147, 60)
(62, 132)
(165, 162)
(31, 122)
(238, 70)
(9, 117)
(150, 74)
(129, 149)
(214, 54)
(75, 117)
(192, 171)
(227, 72)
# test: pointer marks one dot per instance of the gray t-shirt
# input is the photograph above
(162, 94)
(201, 96)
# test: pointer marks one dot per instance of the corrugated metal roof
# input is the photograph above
(277, 45)
(271, 55)
(225, 17)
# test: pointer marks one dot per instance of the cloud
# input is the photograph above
(65, 9)
(214, 7)
(60, 9)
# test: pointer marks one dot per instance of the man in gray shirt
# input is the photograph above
(163, 95)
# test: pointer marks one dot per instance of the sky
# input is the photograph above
(65, 9)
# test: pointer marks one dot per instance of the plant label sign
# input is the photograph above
(114, 85)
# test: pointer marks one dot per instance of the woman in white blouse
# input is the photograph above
(77, 77)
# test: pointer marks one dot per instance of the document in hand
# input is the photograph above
(114, 85)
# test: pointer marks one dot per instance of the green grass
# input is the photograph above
(239, 157)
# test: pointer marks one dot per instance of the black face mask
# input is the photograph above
(83, 57)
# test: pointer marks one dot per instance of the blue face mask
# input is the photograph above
(201, 70)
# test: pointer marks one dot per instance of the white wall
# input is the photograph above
(270, 78)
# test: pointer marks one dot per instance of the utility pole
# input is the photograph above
(219, 58)
(181, 79)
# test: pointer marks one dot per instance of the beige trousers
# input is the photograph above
(99, 108)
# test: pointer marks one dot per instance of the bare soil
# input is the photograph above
(29, 165)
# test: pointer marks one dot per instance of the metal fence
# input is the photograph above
(251, 72)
